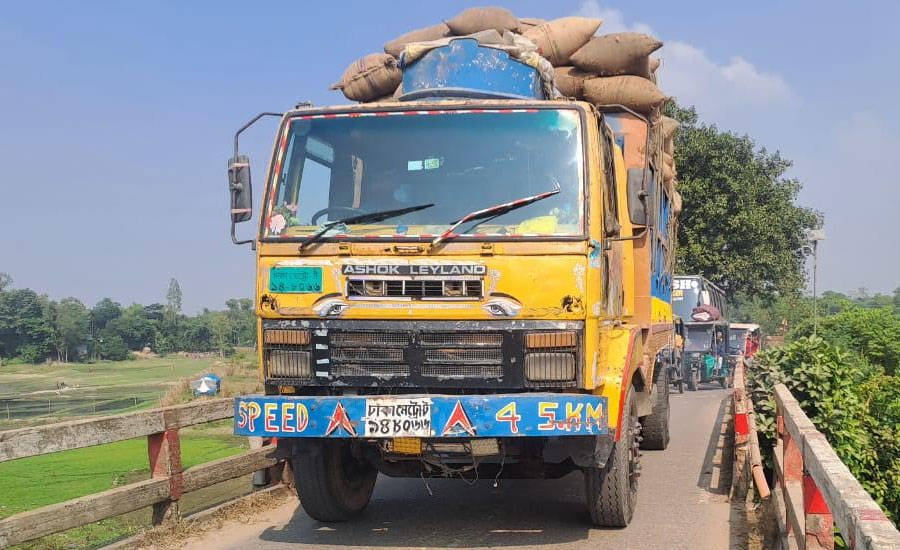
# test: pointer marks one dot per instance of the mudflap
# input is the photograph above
(585, 452)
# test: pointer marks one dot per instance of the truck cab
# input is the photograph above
(443, 290)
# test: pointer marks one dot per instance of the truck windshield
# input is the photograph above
(698, 338)
(736, 340)
(334, 167)
(685, 296)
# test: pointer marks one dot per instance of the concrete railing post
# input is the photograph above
(164, 451)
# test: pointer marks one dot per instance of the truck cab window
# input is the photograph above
(611, 225)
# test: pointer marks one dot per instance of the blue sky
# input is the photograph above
(116, 121)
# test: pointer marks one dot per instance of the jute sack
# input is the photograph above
(667, 126)
(526, 23)
(669, 160)
(668, 168)
(633, 92)
(434, 32)
(653, 63)
(557, 40)
(570, 81)
(375, 75)
(677, 204)
(617, 54)
(481, 19)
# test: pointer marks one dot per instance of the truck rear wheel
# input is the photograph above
(655, 427)
(612, 490)
(333, 485)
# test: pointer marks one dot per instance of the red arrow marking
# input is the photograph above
(459, 418)
(339, 419)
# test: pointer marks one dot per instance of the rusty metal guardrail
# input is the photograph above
(168, 480)
(747, 456)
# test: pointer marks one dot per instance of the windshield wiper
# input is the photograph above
(371, 217)
(493, 212)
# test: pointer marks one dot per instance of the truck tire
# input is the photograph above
(692, 377)
(611, 491)
(332, 484)
(655, 427)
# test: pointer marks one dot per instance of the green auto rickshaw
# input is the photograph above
(705, 357)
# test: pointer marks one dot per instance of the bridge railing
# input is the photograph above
(168, 480)
(818, 489)
(813, 489)
(747, 456)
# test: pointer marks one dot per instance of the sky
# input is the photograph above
(116, 121)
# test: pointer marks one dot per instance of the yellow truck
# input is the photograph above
(460, 285)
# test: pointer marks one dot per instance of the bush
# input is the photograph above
(855, 405)
(874, 334)
(114, 348)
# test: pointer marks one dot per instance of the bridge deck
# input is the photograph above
(682, 504)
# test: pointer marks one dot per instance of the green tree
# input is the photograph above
(73, 324)
(173, 309)
(5, 281)
(740, 226)
(243, 321)
(873, 334)
(132, 327)
(771, 312)
(105, 311)
(196, 334)
(112, 347)
(220, 327)
(24, 330)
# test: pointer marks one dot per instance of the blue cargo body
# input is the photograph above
(466, 69)
(504, 415)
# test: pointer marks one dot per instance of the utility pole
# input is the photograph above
(814, 236)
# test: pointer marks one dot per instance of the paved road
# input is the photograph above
(681, 505)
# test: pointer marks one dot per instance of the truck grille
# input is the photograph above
(463, 371)
(435, 354)
(421, 355)
(415, 289)
(370, 370)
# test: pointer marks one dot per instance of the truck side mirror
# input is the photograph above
(240, 188)
(637, 191)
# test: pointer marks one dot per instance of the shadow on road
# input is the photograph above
(402, 514)
(715, 474)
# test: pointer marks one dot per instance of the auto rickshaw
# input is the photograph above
(743, 339)
(706, 354)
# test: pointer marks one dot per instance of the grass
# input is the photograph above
(110, 388)
(39, 481)
(47, 479)
(31, 394)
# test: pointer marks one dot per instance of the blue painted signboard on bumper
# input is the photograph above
(504, 415)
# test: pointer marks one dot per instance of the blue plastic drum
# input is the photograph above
(466, 69)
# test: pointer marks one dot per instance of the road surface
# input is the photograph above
(682, 504)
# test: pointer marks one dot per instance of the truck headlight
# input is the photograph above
(287, 353)
(565, 339)
(288, 364)
(549, 367)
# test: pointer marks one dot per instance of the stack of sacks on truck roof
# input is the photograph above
(608, 70)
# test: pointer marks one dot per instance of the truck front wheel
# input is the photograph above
(655, 427)
(333, 485)
(612, 490)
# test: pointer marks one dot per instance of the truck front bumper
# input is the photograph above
(439, 416)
